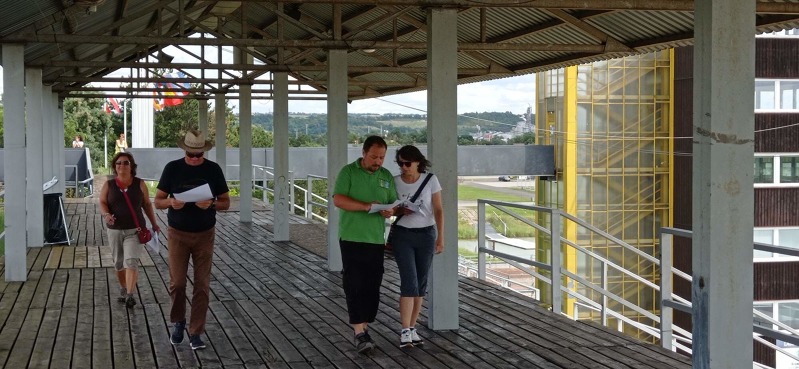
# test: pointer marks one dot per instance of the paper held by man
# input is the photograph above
(199, 193)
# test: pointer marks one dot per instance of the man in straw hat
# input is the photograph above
(191, 230)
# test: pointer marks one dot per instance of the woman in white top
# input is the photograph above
(416, 236)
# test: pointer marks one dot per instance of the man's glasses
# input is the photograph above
(404, 163)
(195, 156)
(123, 162)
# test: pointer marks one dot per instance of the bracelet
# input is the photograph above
(213, 204)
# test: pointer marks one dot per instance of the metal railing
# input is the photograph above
(263, 176)
(763, 326)
(586, 292)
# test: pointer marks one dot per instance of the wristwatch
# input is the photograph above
(213, 204)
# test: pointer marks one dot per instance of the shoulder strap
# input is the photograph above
(418, 192)
(127, 200)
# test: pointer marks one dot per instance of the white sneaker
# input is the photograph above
(405, 338)
(415, 339)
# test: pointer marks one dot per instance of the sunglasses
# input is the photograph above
(195, 156)
(123, 162)
(404, 163)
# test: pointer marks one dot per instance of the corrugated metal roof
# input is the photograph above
(518, 40)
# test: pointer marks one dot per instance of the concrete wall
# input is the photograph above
(472, 160)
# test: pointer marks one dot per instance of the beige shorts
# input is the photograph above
(125, 248)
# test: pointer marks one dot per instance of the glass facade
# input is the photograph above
(621, 143)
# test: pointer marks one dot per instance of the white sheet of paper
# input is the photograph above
(411, 206)
(195, 194)
(378, 207)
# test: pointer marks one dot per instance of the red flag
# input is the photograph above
(115, 104)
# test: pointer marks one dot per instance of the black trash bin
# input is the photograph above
(54, 227)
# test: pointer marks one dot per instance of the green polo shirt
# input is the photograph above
(359, 184)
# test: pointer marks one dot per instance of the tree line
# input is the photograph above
(88, 118)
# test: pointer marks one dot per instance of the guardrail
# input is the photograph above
(760, 328)
(591, 292)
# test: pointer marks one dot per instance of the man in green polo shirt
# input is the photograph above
(359, 185)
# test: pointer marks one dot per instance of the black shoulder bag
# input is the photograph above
(388, 246)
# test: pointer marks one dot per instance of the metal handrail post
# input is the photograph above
(666, 286)
(554, 229)
(604, 310)
(481, 240)
(291, 192)
(264, 197)
(308, 197)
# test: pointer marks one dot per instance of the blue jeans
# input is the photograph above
(413, 251)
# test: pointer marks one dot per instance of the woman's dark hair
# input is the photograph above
(412, 153)
(130, 158)
(372, 141)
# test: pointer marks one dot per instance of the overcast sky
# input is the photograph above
(512, 94)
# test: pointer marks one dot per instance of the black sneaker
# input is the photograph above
(177, 332)
(123, 294)
(364, 343)
(196, 342)
(130, 302)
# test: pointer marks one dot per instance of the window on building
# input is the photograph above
(765, 95)
(786, 237)
(789, 95)
(764, 236)
(764, 170)
(789, 169)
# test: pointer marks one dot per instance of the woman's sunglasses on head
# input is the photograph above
(197, 155)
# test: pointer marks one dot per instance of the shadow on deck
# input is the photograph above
(274, 305)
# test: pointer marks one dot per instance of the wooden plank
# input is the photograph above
(157, 335)
(65, 338)
(82, 348)
(81, 255)
(286, 351)
(55, 257)
(236, 339)
(67, 257)
(45, 340)
(183, 352)
(106, 260)
(145, 258)
(93, 257)
(23, 344)
(56, 296)
(39, 299)
(120, 330)
(73, 288)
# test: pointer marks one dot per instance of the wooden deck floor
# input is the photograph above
(273, 305)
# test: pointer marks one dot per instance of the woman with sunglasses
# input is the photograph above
(122, 230)
(416, 236)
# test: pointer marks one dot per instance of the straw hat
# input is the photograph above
(194, 142)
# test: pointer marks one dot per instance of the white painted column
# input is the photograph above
(60, 145)
(14, 161)
(442, 105)
(723, 194)
(245, 146)
(336, 145)
(202, 116)
(221, 130)
(142, 124)
(48, 131)
(282, 207)
(33, 153)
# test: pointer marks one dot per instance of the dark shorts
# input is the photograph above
(413, 251)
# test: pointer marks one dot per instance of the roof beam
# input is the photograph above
(321, 44)
(669, 5)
